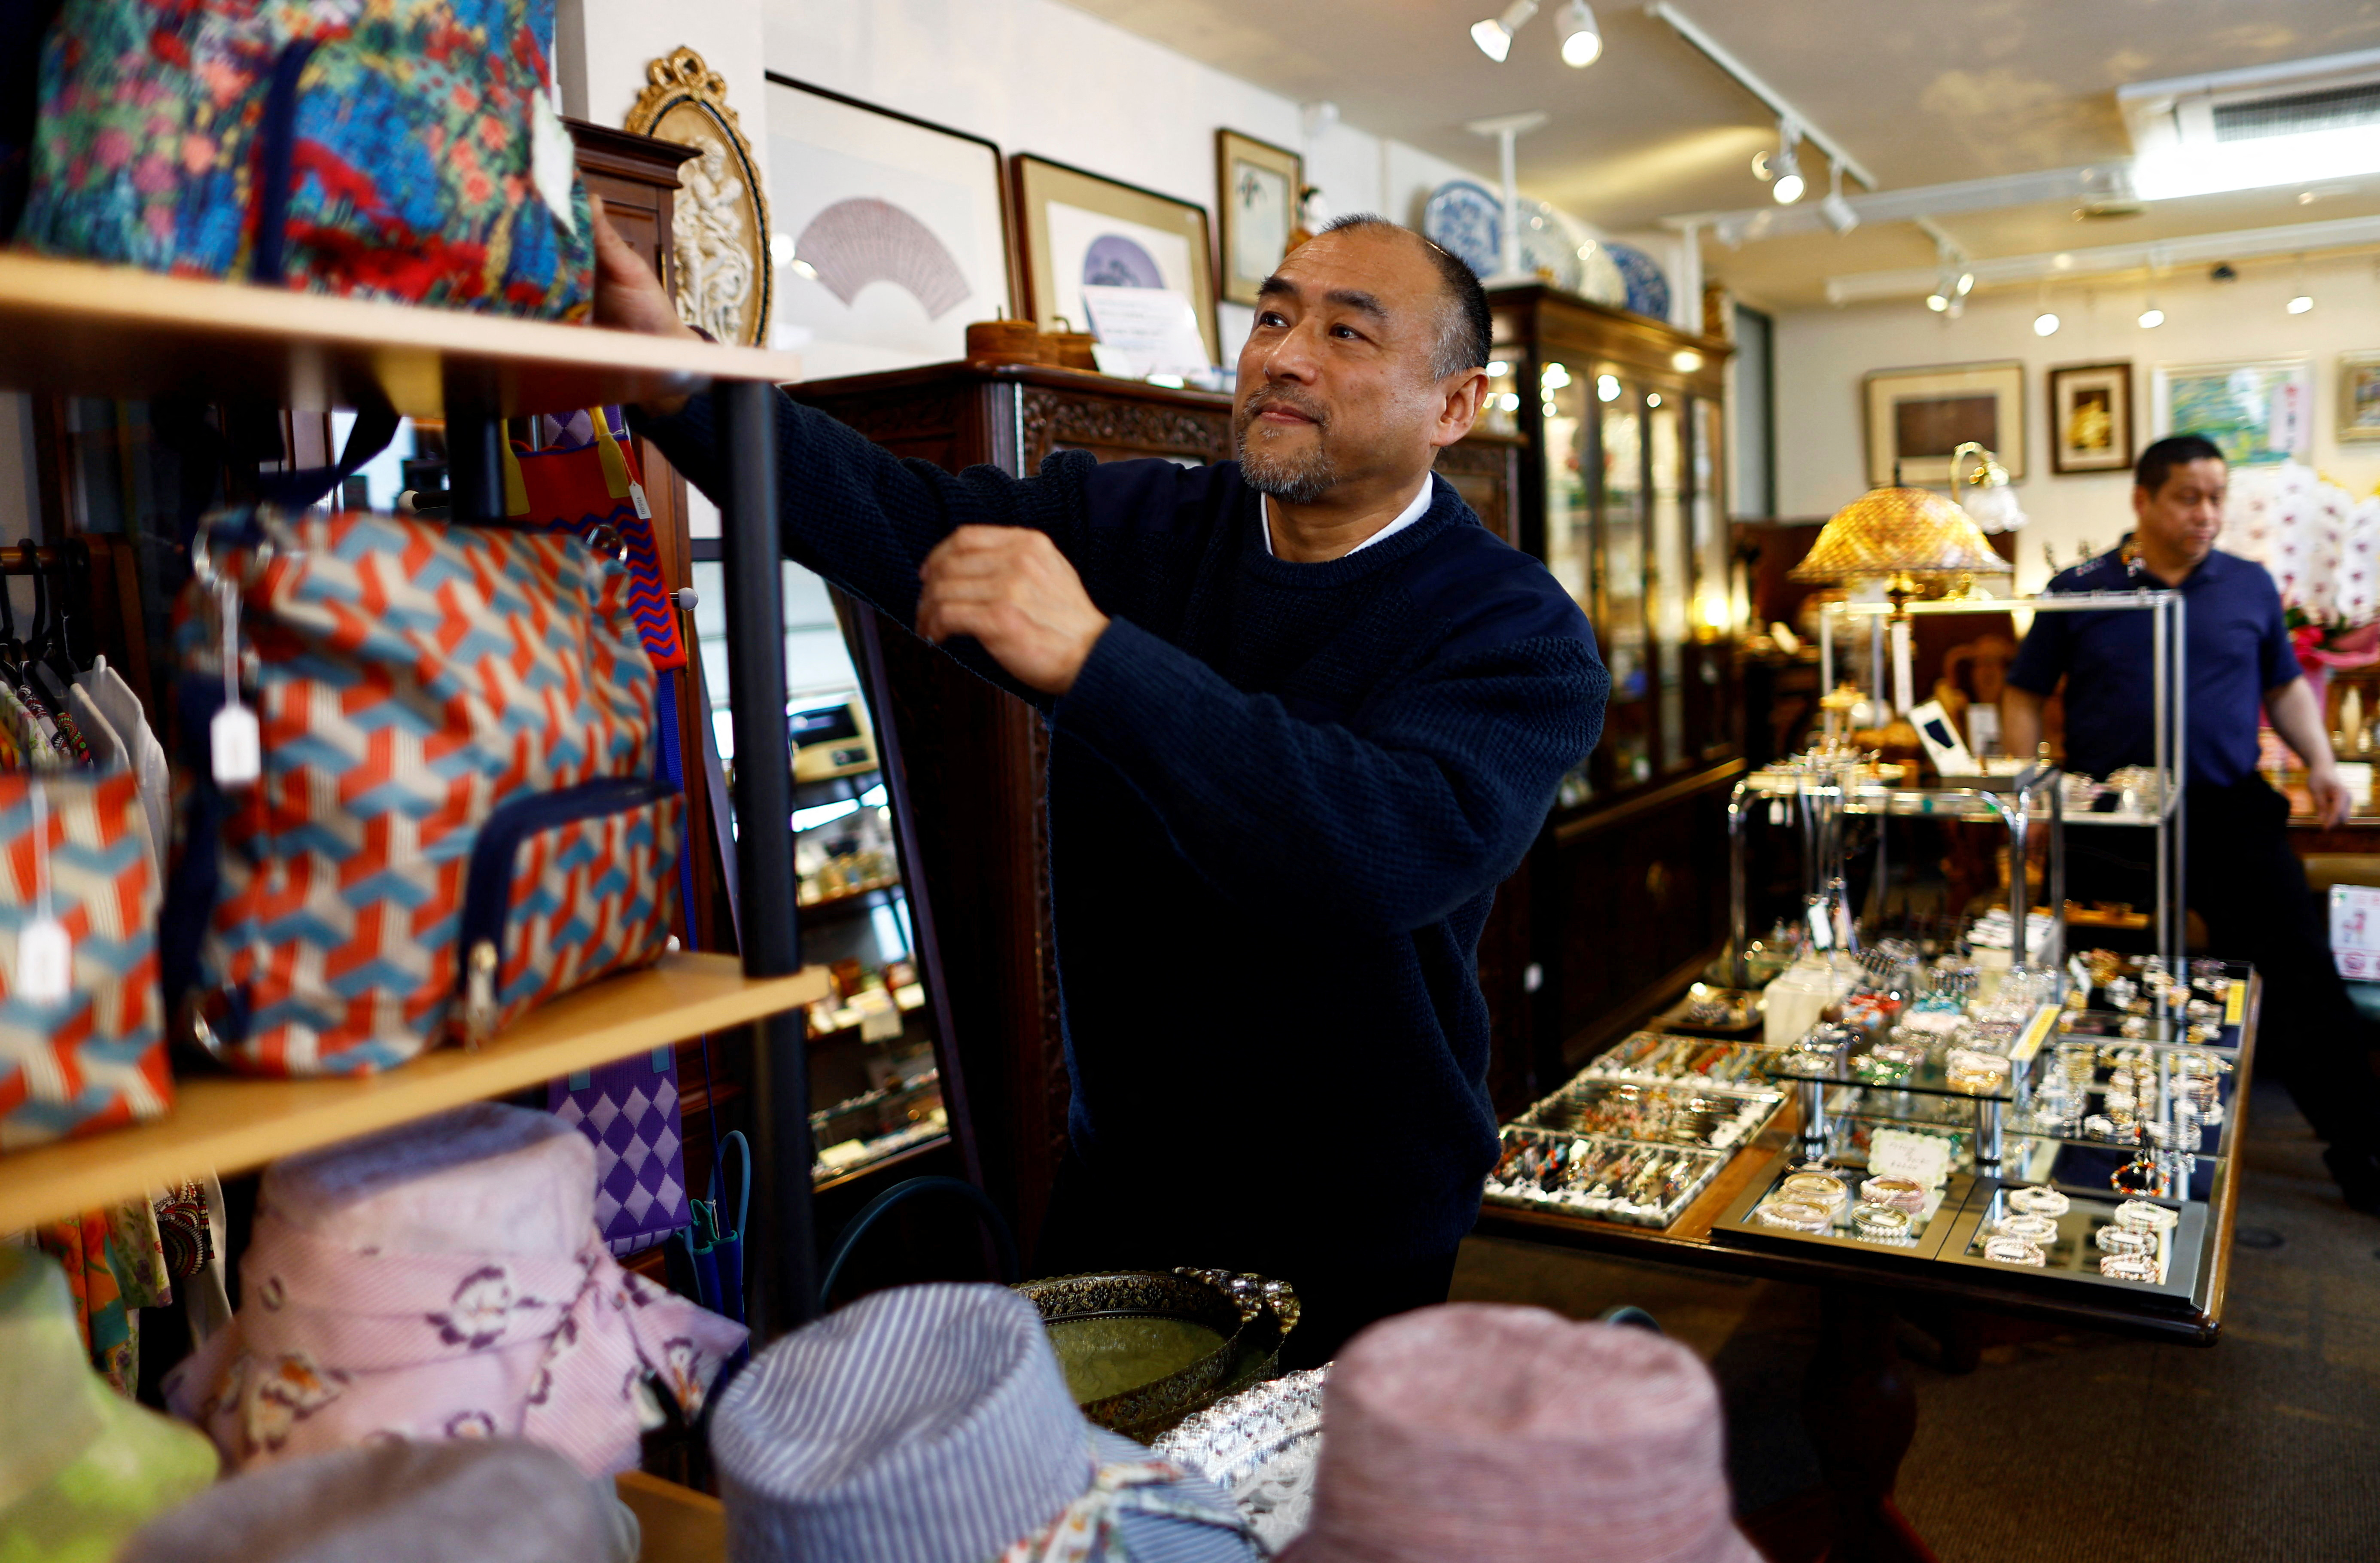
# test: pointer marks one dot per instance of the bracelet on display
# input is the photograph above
(1819, 1188)
(2014, 1251)
(2030, 1228)
(2040, 1201)
(2125, 1240)
(2150, 1218)
(2132, 1267)
(1882, 1223)
(2141, 1169)
(1797, 1216)
(1975, 1072)
(1898, 1193)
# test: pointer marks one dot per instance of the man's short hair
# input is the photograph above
(2158, 461)
(1466, 330)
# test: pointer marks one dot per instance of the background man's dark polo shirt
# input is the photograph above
(2237, 648)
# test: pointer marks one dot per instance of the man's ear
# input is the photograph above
(1466, 395)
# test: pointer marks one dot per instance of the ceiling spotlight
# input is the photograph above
(1782, 167)
(2301, 303)
(1838, 213)
(1966, 283)
(1582, 41)
(1937, 303)
(2044, 324)
(2151, 318)
(1494, 36)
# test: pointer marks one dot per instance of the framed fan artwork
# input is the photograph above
(890, 234)
(1084, 230)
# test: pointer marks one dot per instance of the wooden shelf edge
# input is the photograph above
(680, 1524)
(228, 1124)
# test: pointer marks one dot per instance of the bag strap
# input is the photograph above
(993, 1220)
(373, 428)
(276, 156)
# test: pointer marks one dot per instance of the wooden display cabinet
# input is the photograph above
(1620, 423)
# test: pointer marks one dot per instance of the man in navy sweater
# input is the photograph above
(1306, 715)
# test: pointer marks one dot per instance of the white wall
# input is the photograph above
(1034, 76)
(1822, 354)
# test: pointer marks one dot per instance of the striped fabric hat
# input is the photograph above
(931, 1424)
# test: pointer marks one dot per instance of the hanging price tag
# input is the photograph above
(636, 497)
(235, 740)
(44, 962)
(45, 953)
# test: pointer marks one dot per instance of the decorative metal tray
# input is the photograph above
(1260, 1446)
(1142, 1350)
(1603, 1178)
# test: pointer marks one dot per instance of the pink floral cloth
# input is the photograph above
(335, 1346)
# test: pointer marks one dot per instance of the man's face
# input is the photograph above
(1335, 384)
(2184, 515)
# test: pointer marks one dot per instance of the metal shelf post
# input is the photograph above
(787, 1277)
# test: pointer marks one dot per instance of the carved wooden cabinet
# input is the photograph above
(976, 755)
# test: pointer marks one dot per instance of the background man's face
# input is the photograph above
(2184, 515)
(1335, 380)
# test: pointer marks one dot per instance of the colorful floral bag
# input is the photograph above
(443, 809)
(389, 149)
(82, 1046)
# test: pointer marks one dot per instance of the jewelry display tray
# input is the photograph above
(1949, 1234)
(2075, 1259)
(1738, 1226)
(1745, 1113)
(1706, 1162)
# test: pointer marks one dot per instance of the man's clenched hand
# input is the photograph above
(1011, 589)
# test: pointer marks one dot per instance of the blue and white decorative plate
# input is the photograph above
(1466, 222)
(1600, 275)
(1648, 288)
(1546, 246)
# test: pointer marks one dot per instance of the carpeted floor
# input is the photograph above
(2076, 1446)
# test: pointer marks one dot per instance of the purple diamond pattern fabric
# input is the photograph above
(630, 1111)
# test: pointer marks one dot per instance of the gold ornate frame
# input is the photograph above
(725, 274)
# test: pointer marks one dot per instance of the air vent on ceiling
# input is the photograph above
(2291, 113)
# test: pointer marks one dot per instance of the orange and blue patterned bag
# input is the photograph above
(405, 150)
(83, 1048)
(456, 813)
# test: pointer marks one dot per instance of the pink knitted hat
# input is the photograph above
(1478, 1432)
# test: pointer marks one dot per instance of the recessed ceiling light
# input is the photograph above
(2044, 324)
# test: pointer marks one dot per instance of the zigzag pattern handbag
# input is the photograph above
(456, 815)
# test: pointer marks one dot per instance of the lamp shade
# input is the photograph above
(1899, 532)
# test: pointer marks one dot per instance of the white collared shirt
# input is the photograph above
(1405, 517)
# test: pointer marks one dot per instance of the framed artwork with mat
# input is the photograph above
(1080, 227)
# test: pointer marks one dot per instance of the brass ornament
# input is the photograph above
(720, 226)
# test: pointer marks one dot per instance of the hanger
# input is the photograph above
(12, 649)
(46, 641)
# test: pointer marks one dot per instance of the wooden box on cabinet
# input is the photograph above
(976, 755)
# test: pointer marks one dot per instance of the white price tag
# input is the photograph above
(236, 744)
(44, 962)
(1898, 1152)
(636, 497)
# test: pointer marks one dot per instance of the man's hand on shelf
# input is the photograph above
(1011, 589)
(628, 297)
(2332, 801)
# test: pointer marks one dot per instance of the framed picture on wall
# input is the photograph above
(2258, 413)
(1256, 188)
(2091, 417)
(1081, 228)
(2359, 396)
(1917, 416)
(898, 230)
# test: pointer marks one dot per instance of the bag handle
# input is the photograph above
(993, 1222)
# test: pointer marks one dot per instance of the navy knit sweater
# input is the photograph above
(1281, 797)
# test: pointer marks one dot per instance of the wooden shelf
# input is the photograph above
(680, 1524)
(232, 1125)
(76, 328)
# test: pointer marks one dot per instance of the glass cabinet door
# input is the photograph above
(1569, 513)
(1671, 582)
(1628, 720)
(1717, 613)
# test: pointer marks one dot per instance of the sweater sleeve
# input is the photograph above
(1368, 834)
(866, 519)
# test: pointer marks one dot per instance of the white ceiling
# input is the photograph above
(1920, 91)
